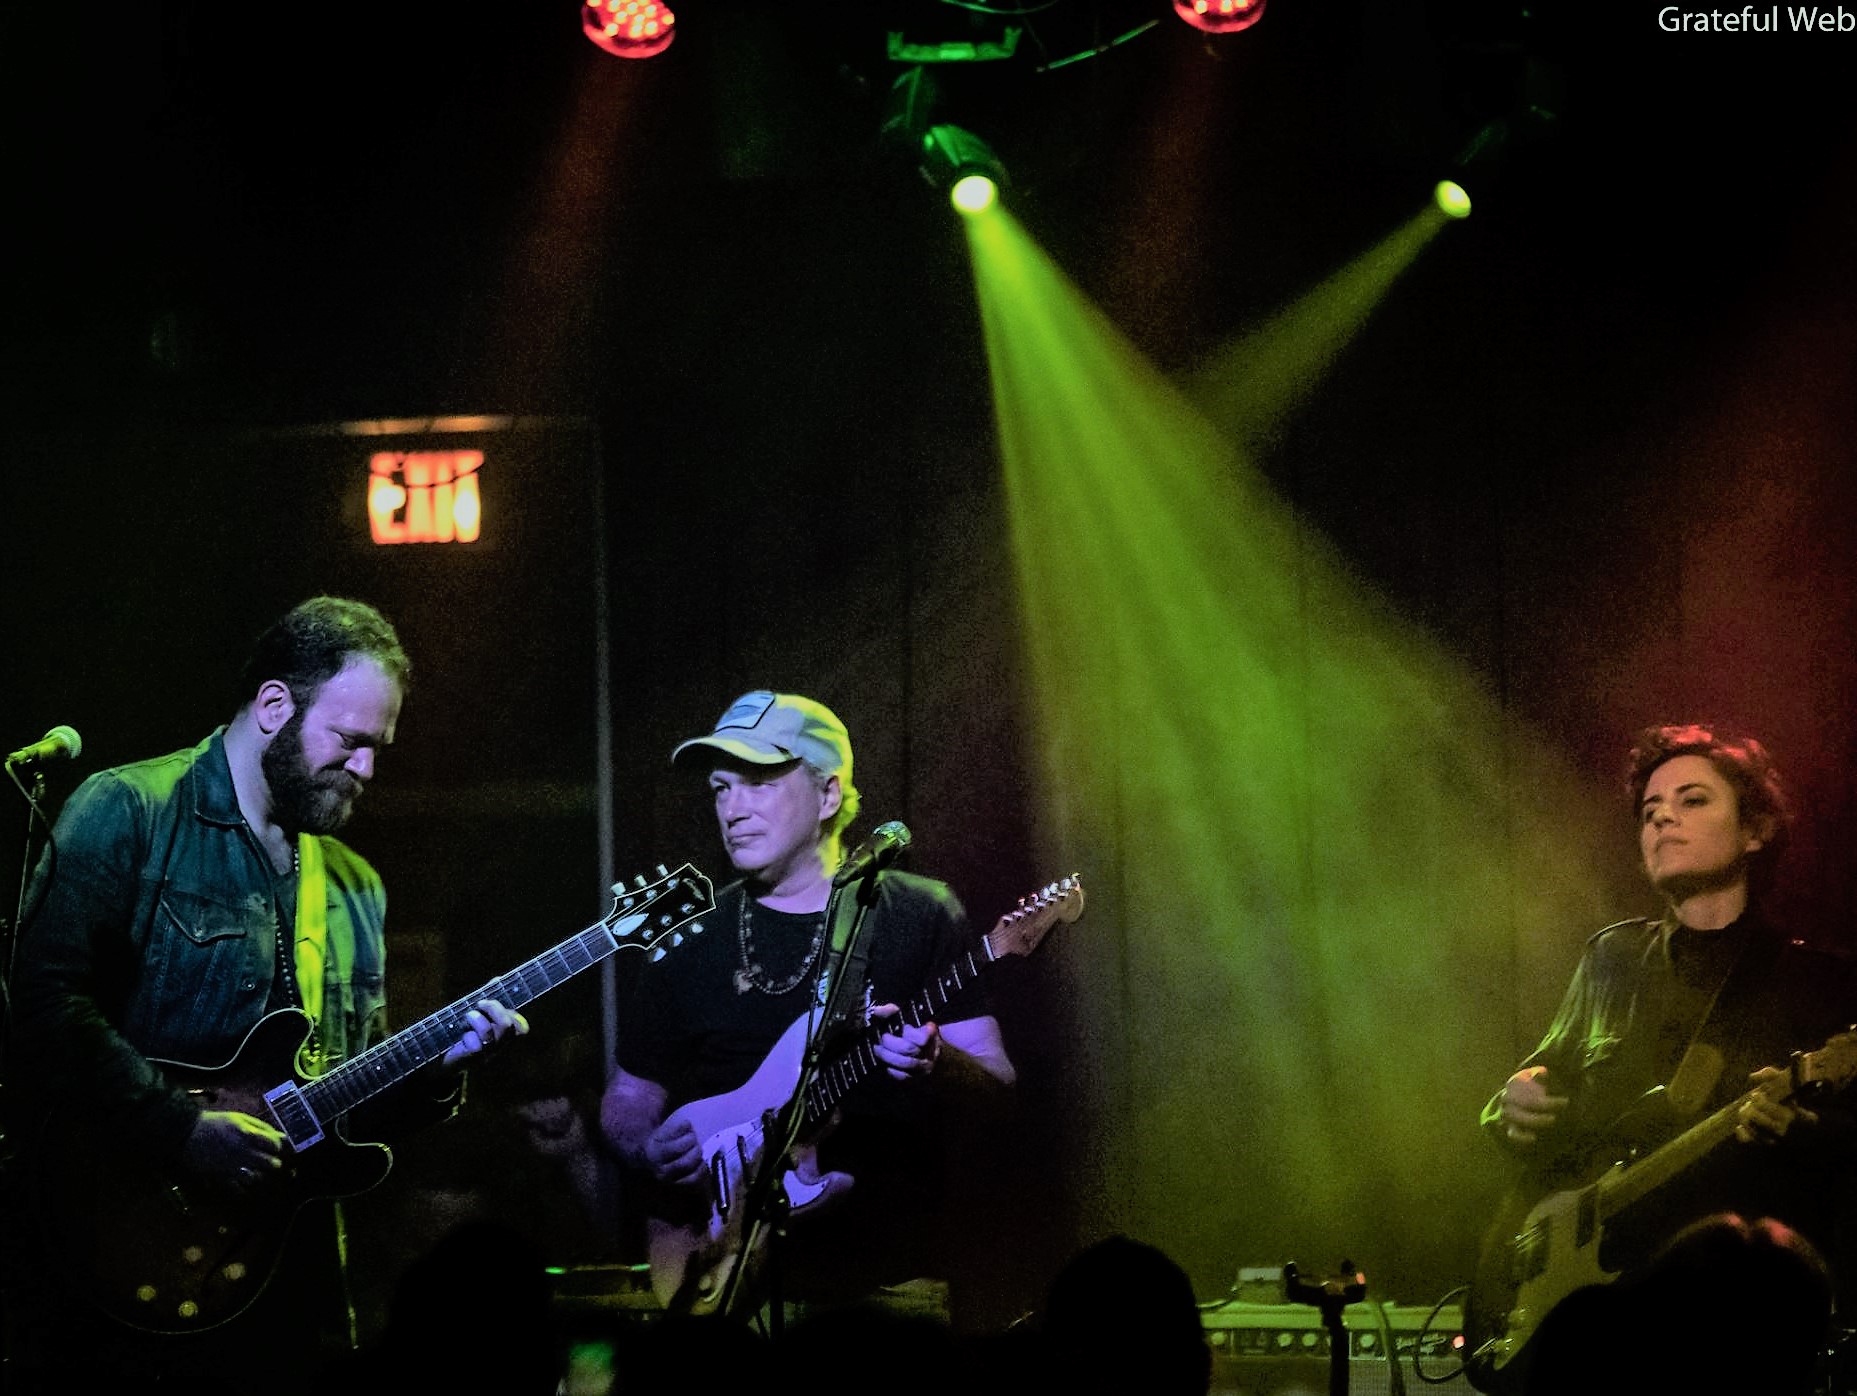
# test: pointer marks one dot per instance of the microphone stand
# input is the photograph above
(766, 1196)
(9, 930)
(1331, 1296)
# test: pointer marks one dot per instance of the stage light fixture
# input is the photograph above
(1452, 200)
(974, 193)
(955, 159)
(1486, 163)
(629, 28)
(1220, 16)
(902, 49)
(937, 32)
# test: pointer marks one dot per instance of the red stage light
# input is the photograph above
(1220, 16)
(628, 28)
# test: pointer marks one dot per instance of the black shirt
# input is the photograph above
(695, 1030)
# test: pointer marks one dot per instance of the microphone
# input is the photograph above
(64, 741)
(876, 852)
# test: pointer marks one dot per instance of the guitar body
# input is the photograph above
(692, 1261)
(704, 1261)
(1534, 1254)
(1545, 1241)
(169, 1254)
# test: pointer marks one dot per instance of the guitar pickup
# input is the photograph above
(293, 1115)
(719, 1190)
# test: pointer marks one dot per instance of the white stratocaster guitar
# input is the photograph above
(693, 1263)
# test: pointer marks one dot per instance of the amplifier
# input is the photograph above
(1283, 1349)
(592, 1295)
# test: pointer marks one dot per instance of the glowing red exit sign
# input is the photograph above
(425, 496)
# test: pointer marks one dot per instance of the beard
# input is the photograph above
(306, 801)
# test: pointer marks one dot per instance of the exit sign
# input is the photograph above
(425, 497)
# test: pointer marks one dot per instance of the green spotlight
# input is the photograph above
(955, 159)
(974, 193)
(1451, 199)
(1291, 779)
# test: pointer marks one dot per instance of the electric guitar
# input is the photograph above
(1534, 1256)
(172, 1255)
(694, 1262)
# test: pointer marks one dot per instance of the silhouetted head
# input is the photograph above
(1122, 1316)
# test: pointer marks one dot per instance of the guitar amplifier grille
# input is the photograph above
(1283, 1350)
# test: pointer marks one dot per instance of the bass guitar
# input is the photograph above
(168, 1254)
(1534, 1256)
(694, 1263)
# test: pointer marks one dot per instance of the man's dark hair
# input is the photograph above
(308, 645)
(1741, 761)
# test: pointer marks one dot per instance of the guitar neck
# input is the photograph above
(390, 1062)
(858, 1059)
(1621, 1189)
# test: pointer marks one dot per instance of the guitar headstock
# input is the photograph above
(651, 915)
(1019, 930)
(1830, 1067)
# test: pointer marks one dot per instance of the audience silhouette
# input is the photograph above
(1121, 1317)
(1726, 1306)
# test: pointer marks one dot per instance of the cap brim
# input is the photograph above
(762, 755)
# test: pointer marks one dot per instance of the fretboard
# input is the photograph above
(392, 1061)
(858, 1058)
(1625, 1187)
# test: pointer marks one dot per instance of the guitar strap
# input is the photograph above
(843, 979)
(1700, 1066)
(312, 924)
(833, 996)
(312, 951)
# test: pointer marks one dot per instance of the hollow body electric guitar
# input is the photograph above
(694, 1264)
(1534, 1256)
(167, 1254)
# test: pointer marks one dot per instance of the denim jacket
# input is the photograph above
(156, 934)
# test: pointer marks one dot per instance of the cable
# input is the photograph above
(1397, 1382)
(1418, 1347)
(1098, 50)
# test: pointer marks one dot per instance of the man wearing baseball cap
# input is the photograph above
(717, 1026)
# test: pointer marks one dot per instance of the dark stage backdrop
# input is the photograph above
(1594, 447)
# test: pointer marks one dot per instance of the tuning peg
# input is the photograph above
(657, 954)
(663, 871)
(638, 880)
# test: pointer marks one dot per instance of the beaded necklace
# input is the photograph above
(749, 975)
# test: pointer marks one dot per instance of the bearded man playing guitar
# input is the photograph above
(189, 907)
(722, 1023)
(1662, 1091)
